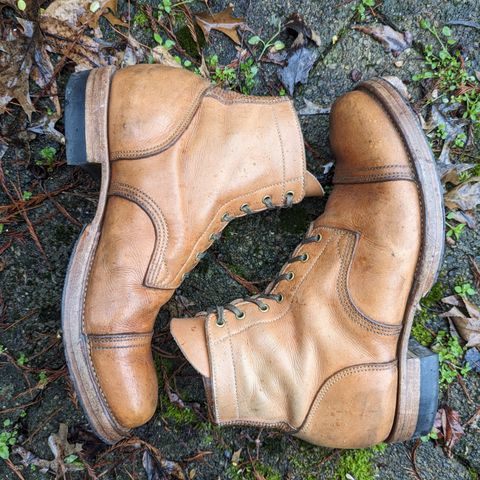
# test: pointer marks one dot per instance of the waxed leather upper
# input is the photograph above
(322, 363)
(184, 158)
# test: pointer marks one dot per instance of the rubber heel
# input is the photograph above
(75, 119)
(420, 393)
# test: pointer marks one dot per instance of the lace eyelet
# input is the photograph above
(241, 316)
(290, 276)
(318, 237)
(245, 208)
(212, 237)
(264, 308)
(305, 257)
(226, 217)
(290, 194)
(221, 323)
(266, 199)
(280, 298)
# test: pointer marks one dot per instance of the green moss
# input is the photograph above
(140, 19)
(358, 463)
(187, 42)
(180, 416)
(419, 331)
(434, 296)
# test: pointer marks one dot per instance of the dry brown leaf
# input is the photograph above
(71, 42)
(449, 427)
(465, 196)
(139, 53)
(223, 21)
(297, 23)
(15, 66)
(467, 324)
(392, 41)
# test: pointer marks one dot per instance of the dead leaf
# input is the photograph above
(297, 23)
(157, 468)
(467, 324)
(236, 457)
(60, 448)
(15, 65)
(139, 53)
(472, 356)
(223, 21)
(475, 267)
(71, 42)
(468, 218)
(392, 41)
(311, 108)
(450, 172)
(299, 65)
(447, 423)
(465, 196)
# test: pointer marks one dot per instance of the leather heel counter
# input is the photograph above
(354, 408)
(145, 119)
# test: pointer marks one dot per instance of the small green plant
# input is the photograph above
(454, 80)
(454, 230)
(450, 355)
(460, 140)
(73, 460)
(272, 42)
(42, 379)
(26, 195)
(47, 157)
(249, 71)
(21, 5)
(464, 290)
(225, 76)
(441, 131)
(8, 438)
(433, 435)
(2, 226)
(166, 6)
(358, 463)
(22, 360)
(361, 8)
(168, 44)
(181, 416)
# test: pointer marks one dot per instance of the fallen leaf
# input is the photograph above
(472, 356)
(297, 23)
(465, 196)
(356, 75)
(447, 423)
(157, 468)
(311, 108)
(236, 457)
(392, 41)
(15, 65)
(299, 65)
(66, 40)
(450, 172)
(468, 218)
(475, 267)
(223, 21)
(467, 324)
(60, 448)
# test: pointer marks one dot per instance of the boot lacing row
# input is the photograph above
(258, 299)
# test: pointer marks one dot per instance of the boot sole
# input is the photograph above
(417, 399)
(86, 115)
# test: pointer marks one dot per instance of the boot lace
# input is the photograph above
(245, 208)
(258, 299)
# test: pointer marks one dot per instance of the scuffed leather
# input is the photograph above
(183, 154)
(322, 364)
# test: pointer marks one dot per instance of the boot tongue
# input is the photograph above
(312, 186)
(189, 333)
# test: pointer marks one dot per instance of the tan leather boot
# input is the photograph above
(323, 354)
(180, 159)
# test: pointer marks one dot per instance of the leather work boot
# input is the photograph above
(180, 158)
(324, 353)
